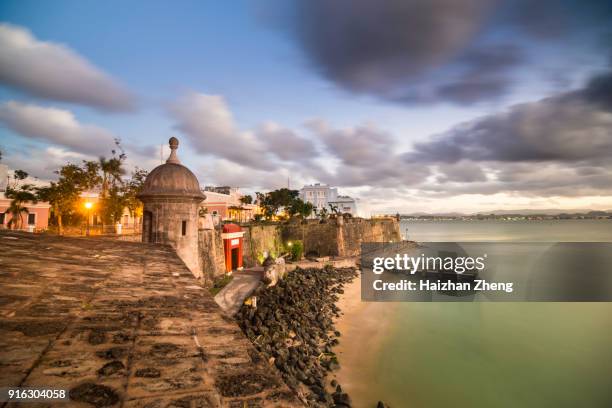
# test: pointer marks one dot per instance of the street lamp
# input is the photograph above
(88, 205)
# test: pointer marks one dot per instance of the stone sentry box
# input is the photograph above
(171, 196)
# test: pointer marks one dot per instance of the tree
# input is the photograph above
(20, 175)
(112, 200)
(19, 197)
(131, 189)
(63, 194)
(300, 208)
(323, 214)
(273, 201)
(334, 210)
(112, 205)
(246, 199)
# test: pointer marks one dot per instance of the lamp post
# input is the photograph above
(88, 205)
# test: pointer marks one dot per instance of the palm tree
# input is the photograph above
(16, 211)
(17, 206)
(112, 170)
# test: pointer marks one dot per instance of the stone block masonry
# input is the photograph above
(122, 324)
(341, 237)
(334, 238)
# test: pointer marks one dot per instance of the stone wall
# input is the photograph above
(211, 254)
(333, 238)
(260, 239)
(341, 237)
(318, 239)
(357, 230)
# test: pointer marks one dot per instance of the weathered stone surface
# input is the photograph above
(274, 271)
(122, 324)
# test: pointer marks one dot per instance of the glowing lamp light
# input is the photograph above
(88, 205)
(290, 244)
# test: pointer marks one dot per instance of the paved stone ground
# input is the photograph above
(122, 324)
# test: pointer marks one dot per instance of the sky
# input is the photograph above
(410, 106)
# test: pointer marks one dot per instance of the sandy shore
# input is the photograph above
(364, 326)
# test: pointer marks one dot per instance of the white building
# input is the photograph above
(346, 204)
(322, 196)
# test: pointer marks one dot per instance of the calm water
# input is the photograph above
(490, 354)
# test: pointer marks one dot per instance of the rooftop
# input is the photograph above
(172, 178)
(122, 324)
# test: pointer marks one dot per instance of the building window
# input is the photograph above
(184, 228)
(31, 219)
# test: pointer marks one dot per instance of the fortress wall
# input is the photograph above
(260, 239)
(211, 253)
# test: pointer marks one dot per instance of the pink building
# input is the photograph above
(37, 218)
(223, 203)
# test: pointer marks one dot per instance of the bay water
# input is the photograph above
(484, 354)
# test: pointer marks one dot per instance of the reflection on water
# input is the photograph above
(490, 354)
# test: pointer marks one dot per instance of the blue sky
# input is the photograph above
(351, 96)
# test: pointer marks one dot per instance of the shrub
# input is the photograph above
(296, 250)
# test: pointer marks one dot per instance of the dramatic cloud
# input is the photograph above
(570, 127)
(383, 47)
(558, 146)
(366, 157)
(555, 147)
(461, 172)
(55, 126)
(54, 71)
(426, 51)
(209, 124)
(41, 163)
(285, 143)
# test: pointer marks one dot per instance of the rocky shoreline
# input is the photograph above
(293, 327)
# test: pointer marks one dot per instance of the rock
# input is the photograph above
(148, 372)
(293, 328)
(111, 368)
(94, 394)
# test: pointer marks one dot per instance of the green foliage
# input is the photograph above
(20, 175)
(246, 199)
(63, 195)
(296, 249)
(300, 208)
(112, 197)
(131, 189)
(288, 200)
(334, 211)
(323, 214)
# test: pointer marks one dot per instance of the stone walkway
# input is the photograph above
(243, 283)
(122, 324)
